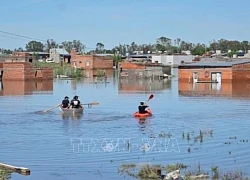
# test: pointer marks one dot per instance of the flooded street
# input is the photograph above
(94, 145)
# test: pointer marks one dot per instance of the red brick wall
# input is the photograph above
(95, 62)
(13, 71)
(81, 61)
(24, 71)
(29, 71)
(47, 73)
(241, 72)
(16, 53)
(102, 63)
(185, 74)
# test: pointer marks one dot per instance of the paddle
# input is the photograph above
(52, 108)
(150, 97)
(90, 104)
(93, 103)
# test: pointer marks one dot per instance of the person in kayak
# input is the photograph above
(143, 108)
(75, 103)
(65, 102)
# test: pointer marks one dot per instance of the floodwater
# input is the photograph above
(94, 145)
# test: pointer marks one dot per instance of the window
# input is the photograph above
(87, 63)
(80, 61)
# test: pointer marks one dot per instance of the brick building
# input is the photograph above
(143, 70)
(17, 57)
(23, 71)
(215, 71)
(31, 55)
(90, 62)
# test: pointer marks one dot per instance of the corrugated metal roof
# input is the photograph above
(62, 51)
(218, 63)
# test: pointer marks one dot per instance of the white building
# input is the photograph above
(188, 52)
(59, 54)
(172, 60)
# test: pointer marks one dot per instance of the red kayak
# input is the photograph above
(149, 113)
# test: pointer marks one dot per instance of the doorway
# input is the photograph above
(69, 60)
(216, 77)
(1, 75)
(195, 77)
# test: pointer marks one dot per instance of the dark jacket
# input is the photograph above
(65, 103)
(142, 109)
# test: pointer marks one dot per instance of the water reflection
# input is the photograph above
(93, 73)
(127, 85)
(25, 87)
(71, 117)
(145, 126)
(5, 174)
(229, 89)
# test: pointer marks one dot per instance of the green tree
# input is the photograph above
(199, 49)
(34, 46)
(245, 46)
(230, 54)
(5, 51)
(116, 59)
(99, 47)
(75, 44)
(177, 42)
(50, 44)
(163, 44)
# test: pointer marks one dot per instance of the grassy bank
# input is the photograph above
(149, 171)
(62, 69)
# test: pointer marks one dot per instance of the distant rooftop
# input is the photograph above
(104, 54)
(216, 63)
(140, 55)
(62, 51)
(38, 53)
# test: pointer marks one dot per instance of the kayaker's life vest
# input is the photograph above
(142, 109)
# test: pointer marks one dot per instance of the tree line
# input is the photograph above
(162, 45)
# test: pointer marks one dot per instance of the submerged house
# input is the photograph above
(143, 70)
(215, 71)
(91, 62)
(172, 60)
